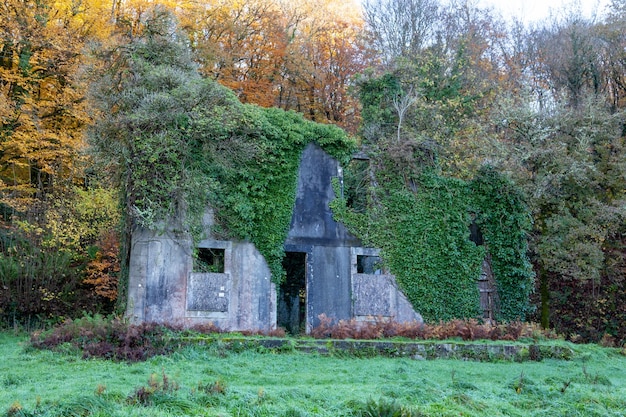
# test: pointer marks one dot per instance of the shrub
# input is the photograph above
(147, 395)
(108, 338)
(384, 408)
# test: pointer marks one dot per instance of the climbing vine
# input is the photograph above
(255, 166)
(424, 237)
(505, 221)
(178, 143)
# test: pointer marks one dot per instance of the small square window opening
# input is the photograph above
(209, 260)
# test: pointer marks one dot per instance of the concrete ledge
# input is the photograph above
(418, 350)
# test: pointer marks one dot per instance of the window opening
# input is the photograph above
(209, 260)
(367, 264)
(476, 235)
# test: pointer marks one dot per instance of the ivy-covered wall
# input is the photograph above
(505, 221)
(255, 170)
(424, 236)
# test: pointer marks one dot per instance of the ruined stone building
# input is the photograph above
(328, 271)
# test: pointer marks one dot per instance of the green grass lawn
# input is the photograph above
(209, 381)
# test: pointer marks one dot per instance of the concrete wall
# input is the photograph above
(163, 287)
(376, 294)
(326, 242)
(333, 286)
(158, 271)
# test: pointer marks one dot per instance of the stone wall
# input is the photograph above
(164, 288)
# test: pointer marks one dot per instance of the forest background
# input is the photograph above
(418, 82)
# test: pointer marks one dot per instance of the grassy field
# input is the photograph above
(211, 381)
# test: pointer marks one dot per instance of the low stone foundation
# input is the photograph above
(418, 350)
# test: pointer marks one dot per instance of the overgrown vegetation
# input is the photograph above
(179, 143)
(450, 87)
(454, 329)
(115, 339)
(59, 259)
(421, 221)
(209, 380)
(505, 221)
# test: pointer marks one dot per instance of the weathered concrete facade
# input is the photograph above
(328, 272)
(163, 287)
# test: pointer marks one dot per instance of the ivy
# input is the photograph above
(424, 240)
(254, 163)
(178, 144)
(505, 221)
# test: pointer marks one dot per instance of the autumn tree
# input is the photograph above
(240, 44)
(321, 61)
(45, 228)
(42, 113)
(293, 55)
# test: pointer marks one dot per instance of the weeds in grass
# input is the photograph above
(384, 408)
(213, 388)
(14, 410)
(595, 379)
(147, 395)
(292, 412)
(100, 389)
(10, 380)
(519, 384)
(84, 406)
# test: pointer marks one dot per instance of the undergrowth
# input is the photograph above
(116, 339)
(470, 329)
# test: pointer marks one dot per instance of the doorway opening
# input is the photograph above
(291, 313)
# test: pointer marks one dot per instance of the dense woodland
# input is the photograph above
(441, 96)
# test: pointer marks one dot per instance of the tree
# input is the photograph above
(241, 45)
(146, 96)
(569, 161)
(612, 58)
(322, 59)
(568, 52)
(293, 55)
(401, 27)
(42, 112)
(45, 232)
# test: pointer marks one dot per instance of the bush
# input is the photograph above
(108, 338)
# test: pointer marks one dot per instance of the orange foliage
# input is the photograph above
(297, 55)
(102, 272)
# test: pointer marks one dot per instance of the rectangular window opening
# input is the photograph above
(367, 264)
(209, 260)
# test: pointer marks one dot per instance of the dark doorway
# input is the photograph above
(292, 295)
